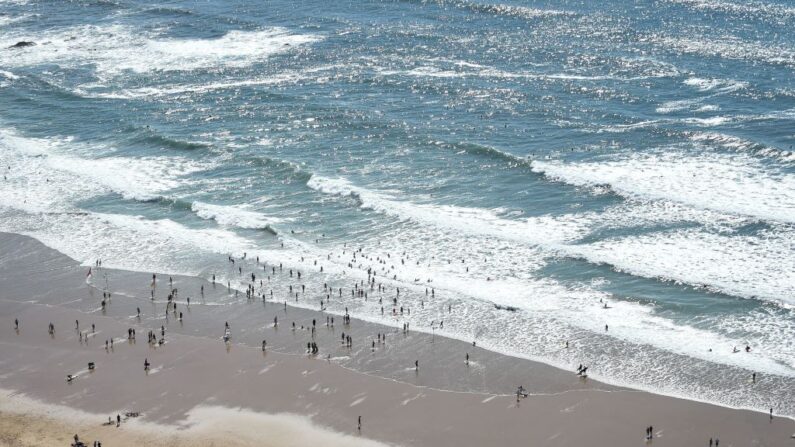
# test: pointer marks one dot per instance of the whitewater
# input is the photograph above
(549, 157)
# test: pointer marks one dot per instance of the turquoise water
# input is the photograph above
(547, 156)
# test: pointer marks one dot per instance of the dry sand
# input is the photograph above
(27, 422)
(201, 391)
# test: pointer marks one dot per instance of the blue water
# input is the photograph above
(549, 156)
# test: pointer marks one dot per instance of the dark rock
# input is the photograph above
(23, 44)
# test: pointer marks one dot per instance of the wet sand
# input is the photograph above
(197, 380)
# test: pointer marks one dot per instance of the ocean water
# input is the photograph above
(547, 156)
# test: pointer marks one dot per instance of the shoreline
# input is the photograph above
(451, 338)
(565, 405)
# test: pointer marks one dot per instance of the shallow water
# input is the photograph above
(547, 156)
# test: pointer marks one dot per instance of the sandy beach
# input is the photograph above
(202, 391)
(397, 223)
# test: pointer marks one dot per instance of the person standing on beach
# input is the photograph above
(360, 423)
(16, 324)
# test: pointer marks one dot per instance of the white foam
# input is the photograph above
(741, 145)
(703, 84)
(234, 215)
(707, 267)
(309, 75)
(140, 178)
(721, 262)
(7, 20)
(748, 7)
(730, 47)
(722, 85)
(631, 70)
(8, 75)
(709, 122)
(707, 108)
(747, 266)
(468, 220)
(678, 105)
(550, 308)
(47, 166)
(45, 183)
(723, 140)
(730, 183)
(129, 242)
(715, 86)
(552, 233)
(118, 48)
(145, 92)
(620, 128)
(524, 12)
